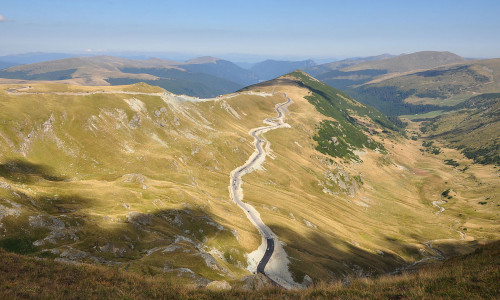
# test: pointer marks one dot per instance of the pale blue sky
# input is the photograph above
(273, 28)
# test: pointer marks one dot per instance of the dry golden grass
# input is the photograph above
(327, 235)
(473, 276)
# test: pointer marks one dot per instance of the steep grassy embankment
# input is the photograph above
(471, 276)
(350, 128)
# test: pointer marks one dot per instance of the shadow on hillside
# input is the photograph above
(342, 258)
(26, 172)
(164, 241)
(139, 239)
(55, 217)
(125, 238)
(62, 204)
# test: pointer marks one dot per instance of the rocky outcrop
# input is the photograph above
(220, 285)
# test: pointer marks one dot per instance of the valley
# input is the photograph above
(249, 150)
(136, 178)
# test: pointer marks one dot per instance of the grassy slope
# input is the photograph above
(181, 176)
(335, 217)
(349, 133)
(427, 90)
(473, 128)
(475, 275)
(390, 209)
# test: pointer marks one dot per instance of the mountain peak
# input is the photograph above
(299, 72)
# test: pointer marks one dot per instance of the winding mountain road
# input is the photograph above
(236, 191)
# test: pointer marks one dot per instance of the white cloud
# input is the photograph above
(2, 19)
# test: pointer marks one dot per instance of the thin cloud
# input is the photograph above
(2, 19)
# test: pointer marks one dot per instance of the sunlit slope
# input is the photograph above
(432, 89)
(138, 178)
(127, 178)
(364, 217)
(351, 73)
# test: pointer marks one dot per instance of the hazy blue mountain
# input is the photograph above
(270, 69)
(220, 68)
(35, 57)
(244, 65)
(339, 64)
(4, 65)
(190, 78)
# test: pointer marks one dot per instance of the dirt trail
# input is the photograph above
(438, 254)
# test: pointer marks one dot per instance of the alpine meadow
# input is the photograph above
(234, 150)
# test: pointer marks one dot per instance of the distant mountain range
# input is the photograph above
(202, 77)
(397, 85)
(411, 83)
(31, 58)
(270, 69)
(352, 72)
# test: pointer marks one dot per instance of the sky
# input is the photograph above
(251, 28)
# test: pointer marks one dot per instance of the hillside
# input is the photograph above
(457, 101)
(323, 68)
(433, 89)
(350, 74)
(138, 178)
(471, 276)
(472, 128)
(409, 62)
(351, 119)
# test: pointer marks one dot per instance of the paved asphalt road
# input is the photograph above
(235, 183)
(267, 256)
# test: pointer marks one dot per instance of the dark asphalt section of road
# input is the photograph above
(265, 259)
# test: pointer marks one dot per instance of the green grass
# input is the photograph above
(341, 137)
(427, 115)
(346, 140)
(472, 128)
(426, 91)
